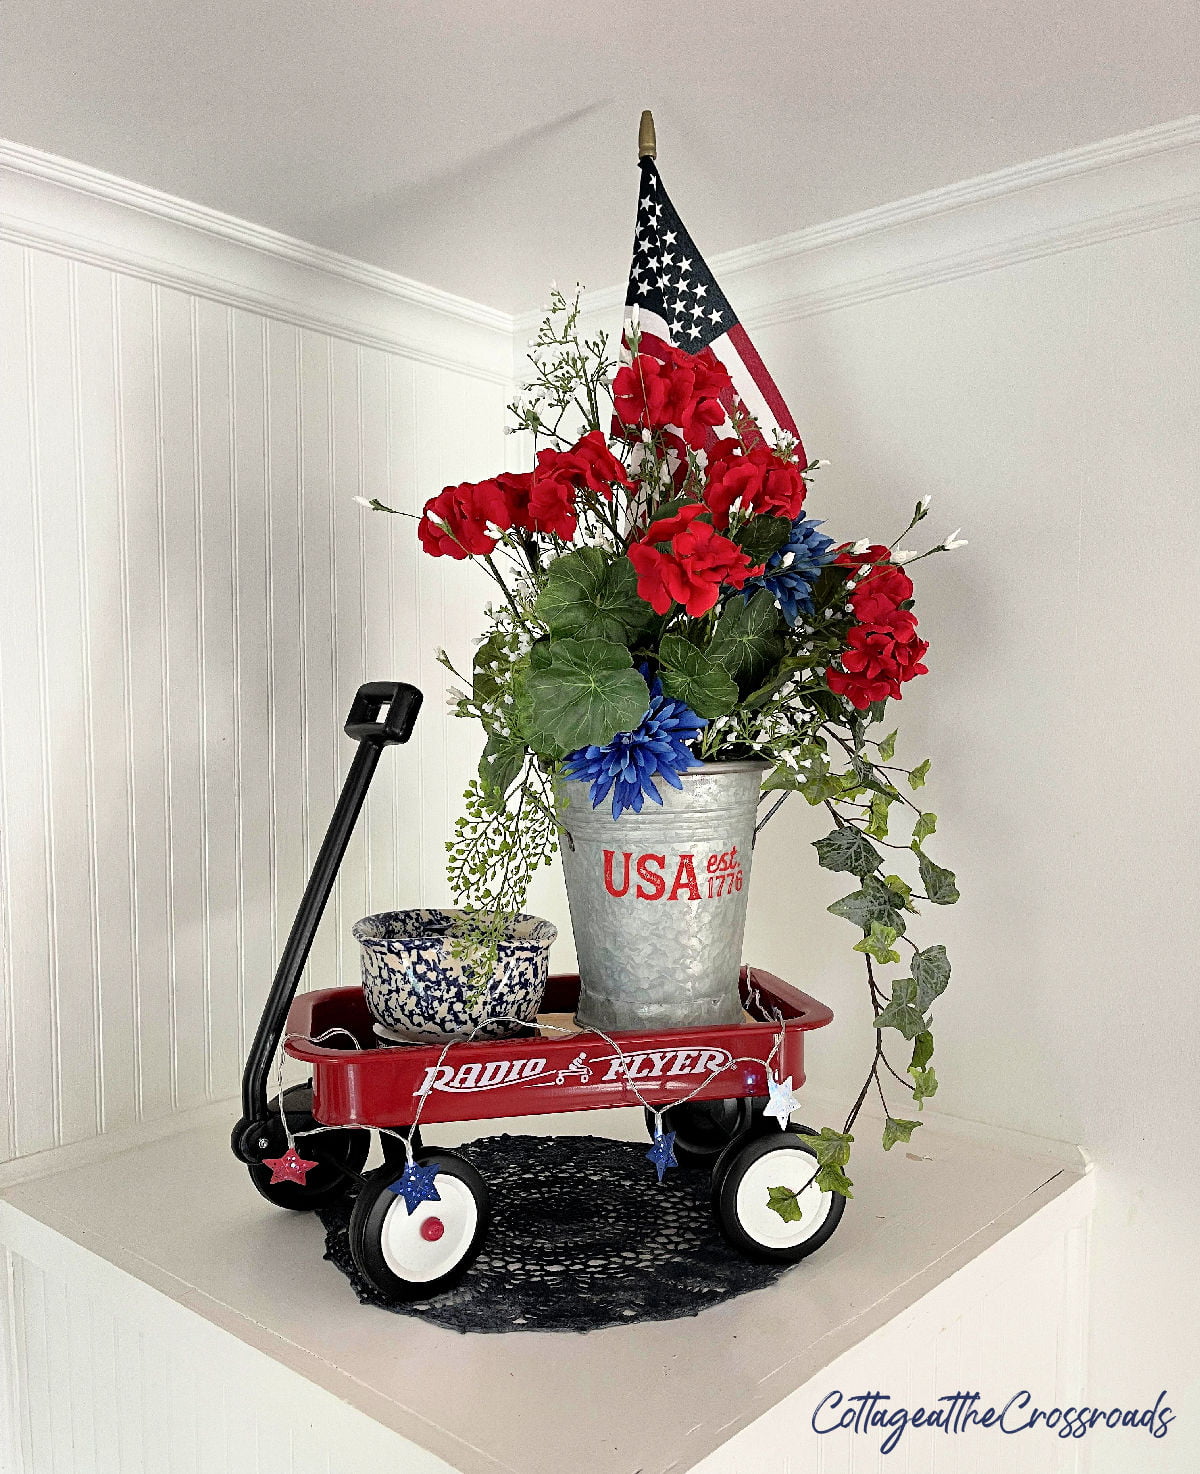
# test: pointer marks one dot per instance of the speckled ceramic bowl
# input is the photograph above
(416, 989)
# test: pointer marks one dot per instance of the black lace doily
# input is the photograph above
(581, 1236)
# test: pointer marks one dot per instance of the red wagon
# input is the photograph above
(706, 1086)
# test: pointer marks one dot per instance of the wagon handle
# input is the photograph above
(382, 713)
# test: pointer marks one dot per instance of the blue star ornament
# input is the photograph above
(661, 1152)
(782, 1102)
(415, 1185)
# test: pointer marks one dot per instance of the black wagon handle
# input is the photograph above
(382, 713)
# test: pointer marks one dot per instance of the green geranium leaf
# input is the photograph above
(878, 942)
(746, 640)
(833, 1180)
(580, 692)
(500, 764)
(689, 675)
(931, 973)
(924, 827)
(847, 848)
(894, 1131)
(887, 748)
(939, 884)
(902, 1012)
(875, 902)
(924, 1085)
(490, 661)
(762, 536)
(916, 779)
(589, 595)
(782, 1200)
(922, 1051)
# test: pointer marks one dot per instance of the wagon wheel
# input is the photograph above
(394, 1154)
(339, 1156)
(742, 1183)
(408, 1254)
(704, 1128)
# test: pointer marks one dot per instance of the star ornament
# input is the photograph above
(661, 1152)
(782, 1102)
(415, 1185)
(291, 1167)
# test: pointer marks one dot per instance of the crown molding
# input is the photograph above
(58, 205)
(1120, 186)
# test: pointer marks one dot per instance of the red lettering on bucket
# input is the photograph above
(655, 882)
(608, 873)
(685, 879)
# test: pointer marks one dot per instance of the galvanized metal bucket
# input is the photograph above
(658, 900)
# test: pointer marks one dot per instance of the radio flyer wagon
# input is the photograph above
(706, 1085)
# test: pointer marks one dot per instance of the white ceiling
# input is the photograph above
(486, 148)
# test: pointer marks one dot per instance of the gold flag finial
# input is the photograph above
(647, 143)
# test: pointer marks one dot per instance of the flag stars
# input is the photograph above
(715, 315)
(669, 238)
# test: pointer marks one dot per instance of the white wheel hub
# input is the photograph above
(782, 1167)
(431, 1240)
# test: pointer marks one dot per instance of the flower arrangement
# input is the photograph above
(663, 599)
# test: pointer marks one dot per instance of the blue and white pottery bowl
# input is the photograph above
(417, 990)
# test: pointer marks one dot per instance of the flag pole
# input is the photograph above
(647, 143)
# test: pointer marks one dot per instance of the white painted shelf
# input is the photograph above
(161, 1316)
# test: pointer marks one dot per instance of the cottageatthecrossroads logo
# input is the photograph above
(874, 1412)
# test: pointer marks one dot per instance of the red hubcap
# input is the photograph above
(432, 1229)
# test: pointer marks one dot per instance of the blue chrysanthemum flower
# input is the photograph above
(792, 570)
(629, 764)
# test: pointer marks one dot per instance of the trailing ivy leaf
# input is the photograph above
(922, 1051)
(902, 1012)
(833, 1180)
(746, 639)
(689, 675)
(783, 1200)
(902, 888)
(876, 901)
(818, 784)
(589, 595)
(924, 827)
(847, 848)
(931, 973)
(887, 748)
(782, 778)
(877, 818)
(916, 779)
(878, 942)
(939, 884)
(832, 1147)
(924, 1085)
(500, 763)
(762, 536)
(581, 692)
(897, 1130)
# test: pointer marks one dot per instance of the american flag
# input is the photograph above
(674, 300)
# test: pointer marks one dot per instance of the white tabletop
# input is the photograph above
(180, 1215)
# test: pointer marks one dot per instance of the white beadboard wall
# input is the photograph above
(189, 596)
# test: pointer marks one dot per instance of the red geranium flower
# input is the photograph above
(454, 523)
(691, 571)
(589, 463)
(756, 478)
(882, 649)
(681, 390)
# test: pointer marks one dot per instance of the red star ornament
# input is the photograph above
(291, 1167)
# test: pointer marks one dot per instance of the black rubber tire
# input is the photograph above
(339, 1156)
(732, 1167)
(760, 1126)
(370, 1214)
(704, 1128)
